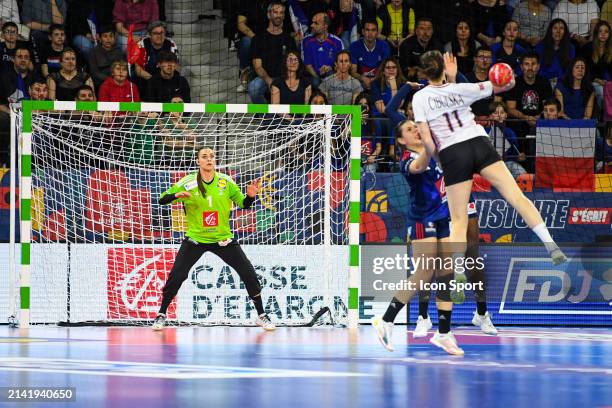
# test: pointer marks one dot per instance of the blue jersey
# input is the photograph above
(427, 191)
(368, 61)
(319, 53)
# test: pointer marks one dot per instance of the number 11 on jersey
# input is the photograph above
(448, 120)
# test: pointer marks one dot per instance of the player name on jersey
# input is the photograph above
(445, 101)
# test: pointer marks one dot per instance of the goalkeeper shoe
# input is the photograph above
(264, 322)
(447, 342)
(422, 327)
(458, 296)
(485, 323)
(557, 256)
(384, 332)
(160, 322)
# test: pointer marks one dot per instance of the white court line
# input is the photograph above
(152, 370)
(540, 335)
(462, 363)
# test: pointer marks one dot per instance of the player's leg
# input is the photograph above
(458, 197)
(444, 338)
(499, 176)
(233, 255)
(476, 275)
(188, 254)
(424, 248)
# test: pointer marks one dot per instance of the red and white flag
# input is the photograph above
(565, 155)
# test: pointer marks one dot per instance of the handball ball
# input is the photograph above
(501, 74)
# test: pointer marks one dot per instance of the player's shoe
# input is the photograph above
(160, 322)
(458, 296)
(384, 331)
(485, 323)
(422, 327)
(265, 323)
(447, 342)
(557, 256)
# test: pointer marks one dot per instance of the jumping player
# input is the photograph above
(481, 317)
(208, 197)
(429, 229)
(442, 111)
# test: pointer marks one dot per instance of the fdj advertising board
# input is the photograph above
(522, 285)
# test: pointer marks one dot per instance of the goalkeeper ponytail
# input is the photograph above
(201, 185)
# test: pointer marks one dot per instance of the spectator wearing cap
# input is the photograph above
(103, 55)
(155, 43)
(38, 15)
(167, 82)
(140, 13)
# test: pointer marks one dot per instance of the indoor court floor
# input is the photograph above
(308, 367)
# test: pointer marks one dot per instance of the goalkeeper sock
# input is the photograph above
(542, 232)
(394, 308)
(258, 304)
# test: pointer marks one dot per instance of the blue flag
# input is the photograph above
(299, 20)
(355, 18)
(92, 21)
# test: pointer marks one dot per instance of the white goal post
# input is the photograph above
(96, 247)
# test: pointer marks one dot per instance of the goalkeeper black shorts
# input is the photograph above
(460, 161)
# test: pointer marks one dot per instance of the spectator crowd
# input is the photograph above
(336, 51)
(76, 50)
(363, 51)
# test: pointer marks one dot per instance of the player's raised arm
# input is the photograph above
(450, 67)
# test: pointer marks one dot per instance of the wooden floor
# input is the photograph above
(308, 367)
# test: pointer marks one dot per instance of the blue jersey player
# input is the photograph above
(429, 230)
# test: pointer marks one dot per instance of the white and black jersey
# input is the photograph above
(446, 110)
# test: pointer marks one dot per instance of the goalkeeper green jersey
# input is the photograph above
(208, 217)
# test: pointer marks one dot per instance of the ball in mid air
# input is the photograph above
(501, 74)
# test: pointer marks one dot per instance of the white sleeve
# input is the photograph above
(476, 91)
(418, 107)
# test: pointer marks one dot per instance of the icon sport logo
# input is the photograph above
(580, 287)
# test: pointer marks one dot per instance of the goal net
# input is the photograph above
(102, 247)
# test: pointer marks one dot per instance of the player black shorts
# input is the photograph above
(460, 161)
